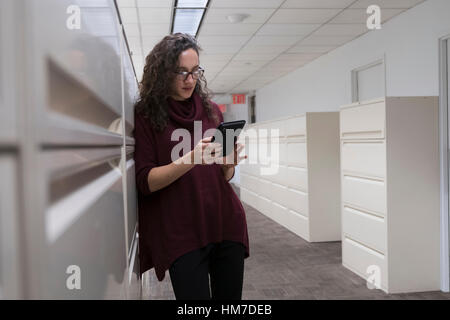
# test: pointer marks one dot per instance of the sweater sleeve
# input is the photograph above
(216, 109)
(145, 156)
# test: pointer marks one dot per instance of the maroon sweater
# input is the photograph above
(197, 209)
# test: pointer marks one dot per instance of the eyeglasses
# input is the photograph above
(183, 75)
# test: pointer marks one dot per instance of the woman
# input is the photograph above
(190, 220)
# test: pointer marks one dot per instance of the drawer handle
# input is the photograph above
(365, 180)
(364, 213)
(363, 143)
(348, 133)
(364, 247)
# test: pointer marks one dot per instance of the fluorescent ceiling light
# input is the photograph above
(187, 20)
(192, 3)
(188, 16)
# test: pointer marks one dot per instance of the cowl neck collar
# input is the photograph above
(185, 112)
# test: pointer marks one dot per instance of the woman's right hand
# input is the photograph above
(206, 152)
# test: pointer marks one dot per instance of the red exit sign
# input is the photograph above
(238, 98)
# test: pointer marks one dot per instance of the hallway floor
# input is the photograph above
(284, 266)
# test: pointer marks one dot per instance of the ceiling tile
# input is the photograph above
(264, 49)
(155, 29)
(284, 65)
(360, 15)
(149, 43)
(303, 15)
(213, 66)
(261, 56)
(395, 4)
(246, 64)
(229, 29)
(154, 15)
(220, 15)
(287, 29)
(246, 3)
(315, 40)
(311, 49)
(128, 15)
(134, 43)
(339, 4)
(220, 49)
(215, 57)
(238, 41)
(232, 72)
(132, 29)
(274, 40)
(298, 56)
(342, 29)
(138, 59)
(155, 3)
(126, 3)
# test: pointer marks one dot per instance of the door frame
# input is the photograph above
(444, 157)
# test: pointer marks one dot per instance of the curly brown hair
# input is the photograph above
(158, 77)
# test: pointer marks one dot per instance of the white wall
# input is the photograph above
(236, 112)
(409, 43)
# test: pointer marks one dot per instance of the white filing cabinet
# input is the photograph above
(390, 192)
(299, 188)
(75, 194)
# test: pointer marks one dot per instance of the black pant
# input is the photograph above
(224, 262)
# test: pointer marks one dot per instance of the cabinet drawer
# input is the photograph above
(283, 156)
(276, 129)
(296, 154)
(265, 188)
(264, 206)
(363, 260)
(253, 169)
(365, 228)
(280, 176)
(295, 126)
(244, 179)
(364, 193)
(243, 167)
(298, 224)
(249, 197)
(280, 214)
(364, 158)
(297, 201)
(250, 182)
(363, 122)
(297, 178)
(280, 194)
(82, 227)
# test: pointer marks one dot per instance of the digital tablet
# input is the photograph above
(221, 135)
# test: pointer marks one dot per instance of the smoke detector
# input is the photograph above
(237, 18)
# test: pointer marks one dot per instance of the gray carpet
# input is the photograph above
(284, 266)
